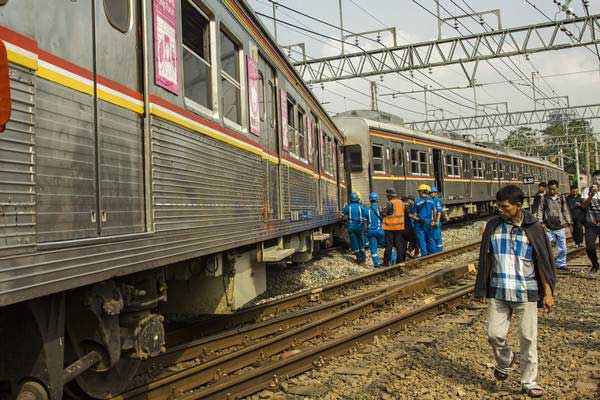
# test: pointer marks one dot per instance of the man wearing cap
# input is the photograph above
(422, 213)
(375, 233)
(393, 226)
(437, 220)
(356, 215)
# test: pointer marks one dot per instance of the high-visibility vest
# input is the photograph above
(395, 222)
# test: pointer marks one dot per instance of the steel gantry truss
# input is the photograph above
(458, 50)
(499, 120)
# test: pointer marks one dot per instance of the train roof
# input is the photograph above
(395, 125)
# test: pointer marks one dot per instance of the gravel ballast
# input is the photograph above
(458, 363)
(286, 279)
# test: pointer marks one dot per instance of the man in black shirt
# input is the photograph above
(537, 199)
(574, 201)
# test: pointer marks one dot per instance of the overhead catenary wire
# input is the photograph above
(567, 32)
(487, 61)
(484, 23)
(421, 84)
(418, 71)
(361, 49)
(368, 38)
(350, 87)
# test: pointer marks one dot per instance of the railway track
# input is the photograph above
(306, 297)
(242, 361)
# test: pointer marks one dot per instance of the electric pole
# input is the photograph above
(577, 177)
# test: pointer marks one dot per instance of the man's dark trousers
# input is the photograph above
(577, 230)
(591, 236)
(394, 239)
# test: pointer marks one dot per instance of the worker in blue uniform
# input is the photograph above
(375, 232)
(437, 220)
(422, 214)
(356, 216)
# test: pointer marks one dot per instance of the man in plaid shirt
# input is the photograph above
(516, 274)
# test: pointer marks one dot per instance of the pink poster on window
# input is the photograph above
(284, 120)
(309, 132)
(165, 45)
(253, 96)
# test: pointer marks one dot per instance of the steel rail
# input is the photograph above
(203, 348)
(300, 299)
(262, 377)
(238, 386)
(229, 363)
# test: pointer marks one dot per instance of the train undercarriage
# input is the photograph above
(90, 341)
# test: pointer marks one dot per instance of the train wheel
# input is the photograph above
(103, 384)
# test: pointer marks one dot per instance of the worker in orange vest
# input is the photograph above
(393, 226)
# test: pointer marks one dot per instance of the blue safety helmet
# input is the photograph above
(373, 196)
(434, 189)
(354, 197)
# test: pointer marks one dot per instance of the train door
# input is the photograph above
(268, 129)
(468, 171)
(438, 170)
(64, 125)
(119, 109)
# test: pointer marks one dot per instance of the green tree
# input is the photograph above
(525, 140)
(562, 133)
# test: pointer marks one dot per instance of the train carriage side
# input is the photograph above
(210, 157)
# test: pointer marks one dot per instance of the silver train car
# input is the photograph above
(158, 155)
(381, 152)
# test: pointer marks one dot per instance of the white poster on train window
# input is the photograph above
(165, 45)
(253, 96)
(309, 133)
(284, 120)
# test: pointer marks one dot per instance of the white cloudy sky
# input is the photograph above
(414, 24)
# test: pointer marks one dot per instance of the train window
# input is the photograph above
(418, 162)
(271, 105)
(291, 126)
(196, 55)
(423, 165)
(118, 13)
(328, 154)
(477, 167)
(261, 96)
(301, 134)
(452, 166)
(314, 140)
(514, 169)
(497, 170)
(378, 165)
(394, 157)
(230, 79)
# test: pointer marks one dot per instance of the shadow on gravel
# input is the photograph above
(431, 359)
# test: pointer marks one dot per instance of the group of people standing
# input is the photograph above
(405, 225)
(577, 212)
